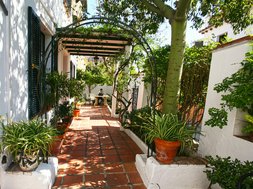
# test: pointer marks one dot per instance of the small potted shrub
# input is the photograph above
(28, 142)
(168, 133)
(65, 112)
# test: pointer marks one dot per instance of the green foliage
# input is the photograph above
(167, 127)
(135, 119)
(65, 110)
(237, 92)
(194, 81)
(58, 86)
(162, 59)
(248, 129)
(28, 138)
(101, 30)
(146, 16)
(75, 88)
(235, 12)
(93, 75)
(219, 117)
(226, 172)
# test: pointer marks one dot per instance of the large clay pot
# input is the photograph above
(166, 150)
(76, 112)
(28, 163)
(55, 147)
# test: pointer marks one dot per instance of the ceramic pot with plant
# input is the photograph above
(28, 142)
(169, 134)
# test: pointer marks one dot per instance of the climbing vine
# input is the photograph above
(237, 92)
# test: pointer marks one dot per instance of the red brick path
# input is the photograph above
(96, 154)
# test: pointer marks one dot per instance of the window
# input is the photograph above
(222, 38)
(36, 46)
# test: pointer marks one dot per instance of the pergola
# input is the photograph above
(96, 44)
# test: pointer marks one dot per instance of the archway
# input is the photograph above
(61, 32)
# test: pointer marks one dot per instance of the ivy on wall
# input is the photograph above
(237, 92)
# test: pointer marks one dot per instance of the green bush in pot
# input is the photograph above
(167, 129)
(27, 141)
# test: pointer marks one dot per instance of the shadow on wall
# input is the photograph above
(18, 75)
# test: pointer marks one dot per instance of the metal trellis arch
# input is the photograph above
(107, 21)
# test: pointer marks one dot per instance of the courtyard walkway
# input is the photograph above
(96, 154)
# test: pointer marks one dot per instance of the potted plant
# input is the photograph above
(28, 142)
(168, 133)
(76, 89)
(65, 112)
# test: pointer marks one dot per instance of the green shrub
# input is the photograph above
(226, 172)
(29, 138)
(136, 119)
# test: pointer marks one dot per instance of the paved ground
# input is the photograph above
(96, 154)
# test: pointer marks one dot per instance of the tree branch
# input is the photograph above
(152, 8)
(183, 6)
(166, 10)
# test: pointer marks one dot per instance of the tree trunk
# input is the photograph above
(170, 103)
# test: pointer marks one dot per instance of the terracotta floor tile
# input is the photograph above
(130, 167)
(127, 158)
(58, 181)
(75, 171)
(93, 146)
(124, 151)
(93, 160)
(139, 186)
(77, 154)
(93, 152)
(95, 180)
(107, 147)
(72, 180)
(109, 151)
(97, 168)
(120, 187)
(96, 154)
(135, 178)
(117, 179)
(114, 167)
(111, 159)
(81, 147)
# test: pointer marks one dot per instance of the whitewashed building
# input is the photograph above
(225, 61)
(26, 28)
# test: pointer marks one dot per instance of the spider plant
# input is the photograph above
(168, 127)
(30, 139)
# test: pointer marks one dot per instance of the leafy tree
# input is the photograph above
(146, 15)
(92, 75)
(162, 58)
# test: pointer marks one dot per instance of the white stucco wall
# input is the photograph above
(4, 57)
(222, 142)
(213, 32)
(14, 50)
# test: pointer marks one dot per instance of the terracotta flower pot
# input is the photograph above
(166, 150)
(56, 145)
(76, 113)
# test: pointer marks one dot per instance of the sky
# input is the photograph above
(164, 33)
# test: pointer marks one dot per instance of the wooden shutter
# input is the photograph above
(34, 56)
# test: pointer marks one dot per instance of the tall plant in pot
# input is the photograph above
(76, 90)
(27, 141)
(169, 134)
